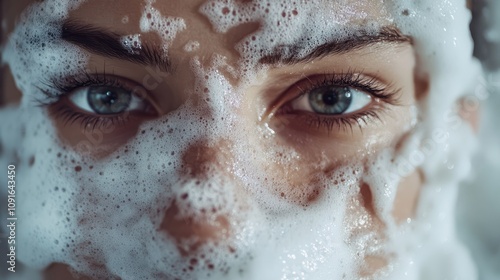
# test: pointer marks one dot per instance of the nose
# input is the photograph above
(202, 159)
(192, 232)
(188, 223)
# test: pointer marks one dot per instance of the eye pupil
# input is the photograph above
(108, 100)
(330, 100)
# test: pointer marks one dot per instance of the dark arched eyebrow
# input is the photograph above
(106, 43)
(291, 54)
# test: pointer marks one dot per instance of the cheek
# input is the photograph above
(407, 196)
(292, 177)
(300, 166)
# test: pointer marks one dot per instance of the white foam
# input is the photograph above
(166, 27)
(478, 195)
(192, 46)
(305, 24)
(132, 43)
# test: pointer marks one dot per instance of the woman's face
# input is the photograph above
(203, 128)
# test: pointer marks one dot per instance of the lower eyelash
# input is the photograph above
(342, 123)
(69, 116)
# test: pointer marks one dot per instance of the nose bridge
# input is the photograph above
(203, 159)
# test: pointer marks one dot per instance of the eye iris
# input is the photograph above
(330, 100)
(108, 100)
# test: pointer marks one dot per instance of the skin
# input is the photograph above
(392, 65)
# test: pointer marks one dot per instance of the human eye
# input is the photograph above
(96, 113)
(106, 100)
(335, 101)
(98, 100)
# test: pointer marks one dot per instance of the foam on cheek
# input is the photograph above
(298, 243)
(46, 224)
(447, 39)
(442, 142)
(34, 55)
(478, 197)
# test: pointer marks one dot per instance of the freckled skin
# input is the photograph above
(298, 176)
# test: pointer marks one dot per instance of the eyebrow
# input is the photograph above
(291, 54)
(106, 43)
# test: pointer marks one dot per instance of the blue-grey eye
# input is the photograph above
(332, 100)
(106, 100)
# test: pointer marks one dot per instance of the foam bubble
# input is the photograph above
(125, 19)
(132, 43)
(191, 46)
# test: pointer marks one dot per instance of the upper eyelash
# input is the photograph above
(351, 79)
(57, 87)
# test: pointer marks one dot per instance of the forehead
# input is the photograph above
(125, 15)
(226, 28)
(220, 26)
